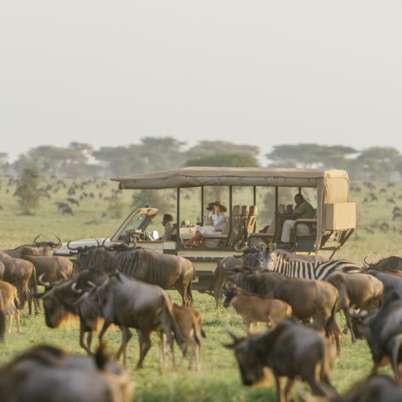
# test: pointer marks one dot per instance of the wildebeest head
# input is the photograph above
(58, 302)
(96, 258)
(247, 352)
(229, 292)
(257, 257)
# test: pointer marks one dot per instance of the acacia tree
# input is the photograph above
(27, 190)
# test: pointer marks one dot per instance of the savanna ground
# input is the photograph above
(218, 379)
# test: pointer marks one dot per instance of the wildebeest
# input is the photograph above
(392, 283)
(361, 291)
(166, 271)
(50, 268)
(60, 303)
(391, 265)
(383, 332)
(9, 307)
(47, 374)
(309, 299)
(22, 275)
(289, 350)
(43, 247)
(130, 303)
(378, 388)
(189, 322)
(255, 309)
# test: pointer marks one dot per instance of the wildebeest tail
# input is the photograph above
(2, 320)
(332, 326)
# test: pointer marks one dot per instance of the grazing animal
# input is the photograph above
(130, 303)
(22, 275)
(255, 309)
(47, 374)
(289, 350)
(282, 262)
(378, 388)
(166, 271)
(64, 208)
(68, 299)
(392, 283)
(9, 307)
(391, 265)
(189, 322)
(383, 332)
(52, 268)
(361, 291)
(309, 299)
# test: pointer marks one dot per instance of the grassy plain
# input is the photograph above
(218, 379)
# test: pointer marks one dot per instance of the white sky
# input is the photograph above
(266, 72)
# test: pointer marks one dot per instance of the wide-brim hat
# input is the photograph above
(221, 206)
(210, 206)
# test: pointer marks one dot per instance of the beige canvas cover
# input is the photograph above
(223, 176)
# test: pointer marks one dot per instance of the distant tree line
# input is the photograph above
(156, 153)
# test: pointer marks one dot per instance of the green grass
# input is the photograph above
(218, 379)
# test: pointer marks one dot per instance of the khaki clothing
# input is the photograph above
(304, 211)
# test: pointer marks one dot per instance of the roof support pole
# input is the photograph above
(254, 195)
(230, 209)
(202, 205)
(178, 240)
(276, 212)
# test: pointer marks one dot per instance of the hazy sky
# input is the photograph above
(266, 72)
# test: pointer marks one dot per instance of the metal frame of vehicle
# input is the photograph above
(336, 215)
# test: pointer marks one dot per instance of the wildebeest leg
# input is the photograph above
(288, 388)
(162, 351)
(84, 345)
(105, 326)
(395, 345)
(349, 323)
(89, 341)
(278, 389)
(10, 323)
(183, 292)
(125, 338)
(17, 320)
(145, 345)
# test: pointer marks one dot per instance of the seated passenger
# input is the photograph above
(303, 210)
(218, 223)
(169, 227)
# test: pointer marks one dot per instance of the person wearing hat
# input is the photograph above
(217, 220)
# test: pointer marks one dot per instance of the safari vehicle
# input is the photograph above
(244, 191)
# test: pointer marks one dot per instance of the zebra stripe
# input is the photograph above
(298, 268)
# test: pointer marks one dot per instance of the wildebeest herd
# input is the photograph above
(298, 298)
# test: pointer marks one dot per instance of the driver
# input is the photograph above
(169, 227)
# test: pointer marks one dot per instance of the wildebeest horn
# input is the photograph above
(41, 282)
(75, 290)
(36, 238)
(71, 248)
(366, 264)
(58, 240)
(91, 284)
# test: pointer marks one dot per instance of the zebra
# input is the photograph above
(311, 267)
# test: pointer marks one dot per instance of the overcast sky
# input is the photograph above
(266, 72)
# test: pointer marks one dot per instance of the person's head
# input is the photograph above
(167, 218)
(289, 209)
(218, 207)
(299, 199)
